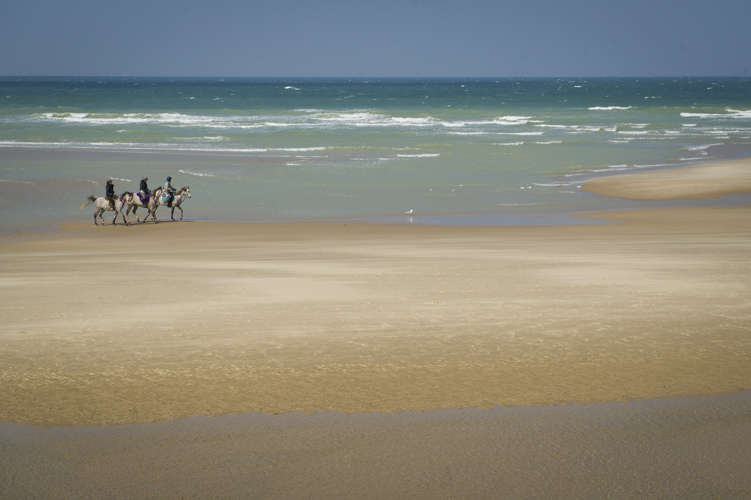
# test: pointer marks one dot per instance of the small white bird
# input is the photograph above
(409, 212)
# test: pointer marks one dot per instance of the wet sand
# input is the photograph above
(154, 323)
(681, 448)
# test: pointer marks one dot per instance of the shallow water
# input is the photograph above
(456, 151)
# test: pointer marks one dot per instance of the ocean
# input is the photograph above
(472, 151)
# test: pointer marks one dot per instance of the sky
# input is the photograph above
(375, 38)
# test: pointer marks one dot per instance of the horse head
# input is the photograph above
(185, 190)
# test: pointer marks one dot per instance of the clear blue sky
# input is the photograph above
(375, 37)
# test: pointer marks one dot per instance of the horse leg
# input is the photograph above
(173, 213)
(96, 212)
(181, 212)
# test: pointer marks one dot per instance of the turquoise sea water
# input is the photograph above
(454, 151)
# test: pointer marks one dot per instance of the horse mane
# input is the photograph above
(182, 190)
(125, 193)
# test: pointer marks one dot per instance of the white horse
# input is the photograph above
(136, 202)
(102, 205)
(180, 196)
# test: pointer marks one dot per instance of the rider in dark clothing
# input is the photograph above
(145, 193)
(110, 193)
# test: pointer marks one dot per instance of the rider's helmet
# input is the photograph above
(145, 179)
(109, 181)
(169, 178)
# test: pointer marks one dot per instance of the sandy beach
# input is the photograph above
(158, 322)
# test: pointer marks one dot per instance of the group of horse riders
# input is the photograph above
(144, 192)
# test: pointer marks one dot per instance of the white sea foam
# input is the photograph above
(298, 150)
(702, 147)
(636, 132)
(609, 108)
(125, 118)
(154, 147)
(521, 133)
(15, 182)
(419, 155)
(197, 174)
(512, 120)
(730, 113)
(692, 159)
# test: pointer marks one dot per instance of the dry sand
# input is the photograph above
(153, 323)
(148, 323)
(690, 183)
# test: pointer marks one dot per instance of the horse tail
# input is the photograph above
(90, 199)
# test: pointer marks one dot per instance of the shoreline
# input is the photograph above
(25, 222)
